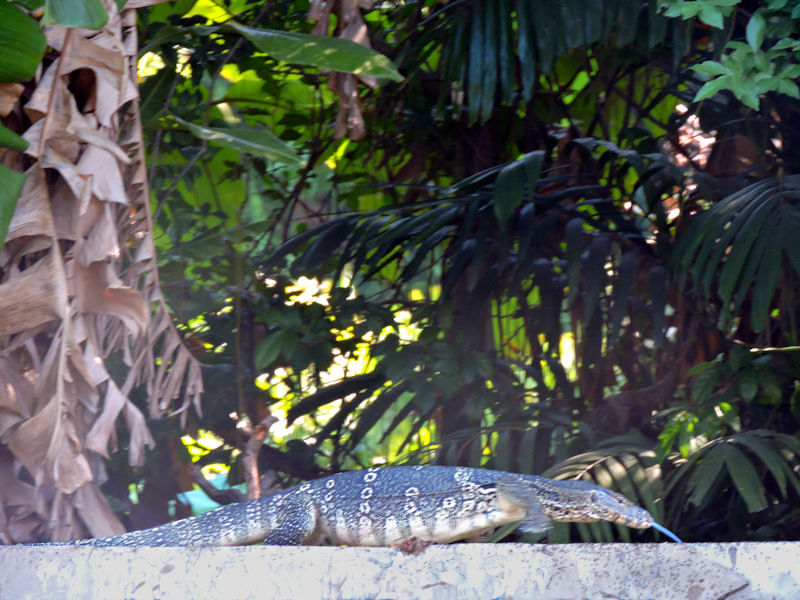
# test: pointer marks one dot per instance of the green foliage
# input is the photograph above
(326, 53)
(760, 465)
(626, 464)
(21, 44)
(482, 40)
(749, 72)
(9, 194)
(741, 247)
(89, 14)
(260, 143)
(512, 269)
(746, 69)
(711, 12)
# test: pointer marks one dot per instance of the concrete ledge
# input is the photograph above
(460, 571)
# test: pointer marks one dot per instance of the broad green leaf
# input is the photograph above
(716, 233)
(755, 31)
(513, 182)
(544, 27)
(748, 97)
(331, 53)
(9, 139)
(704, 384)
(527, 449)
(595, 21)
(710, 15)
(503, 451)
(574, 235)
(252, 141)
(767, 278)
(794, 401)
(572, 19)
(658, 292)
(21, 44)
(784, 86)
(711, 67)
(790, 225)
(748, 246)
(506, 49)
(9, 194)
(790, 72)
(625, 274)
(595, 275)
(710, 88)
(30, 4)
(87, 14)
(656, 24)
(490, 60)
(647, 485)
(685, 469)
(764, 83)
(745, 478)
(476, 61)
(769, 455)
(784, 43)
(770, 385)
(324, 245)
(706, 474)
(748, 384)
(702, 368)
(622, 479)
(268, 349)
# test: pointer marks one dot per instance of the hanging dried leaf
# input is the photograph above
(78, 282)
(350, 26)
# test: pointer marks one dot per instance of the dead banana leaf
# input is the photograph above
(78, 282)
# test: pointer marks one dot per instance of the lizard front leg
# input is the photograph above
(297, 521)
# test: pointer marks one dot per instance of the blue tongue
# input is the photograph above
(666, 532)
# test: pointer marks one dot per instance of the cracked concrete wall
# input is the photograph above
(738, 571)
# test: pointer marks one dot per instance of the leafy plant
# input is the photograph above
(746, 69)
(740, 249)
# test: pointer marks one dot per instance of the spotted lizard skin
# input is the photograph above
(392, 505)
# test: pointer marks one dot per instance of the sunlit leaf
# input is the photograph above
(88, 14)
(252, 141)
(331, 53)
(754, 32)
(22, 44)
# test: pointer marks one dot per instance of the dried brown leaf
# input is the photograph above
(105, 174)
(32, 216)
(9, 95)
(35, 296)
(103, 429)
(350, 26)
(80, 281)
(94, 511)
(49, 447)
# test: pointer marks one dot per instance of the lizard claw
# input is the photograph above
(414, 545)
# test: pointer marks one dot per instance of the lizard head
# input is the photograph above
(581, 501)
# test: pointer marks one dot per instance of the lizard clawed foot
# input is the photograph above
(414, 545)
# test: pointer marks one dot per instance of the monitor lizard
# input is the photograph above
(394, 506)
